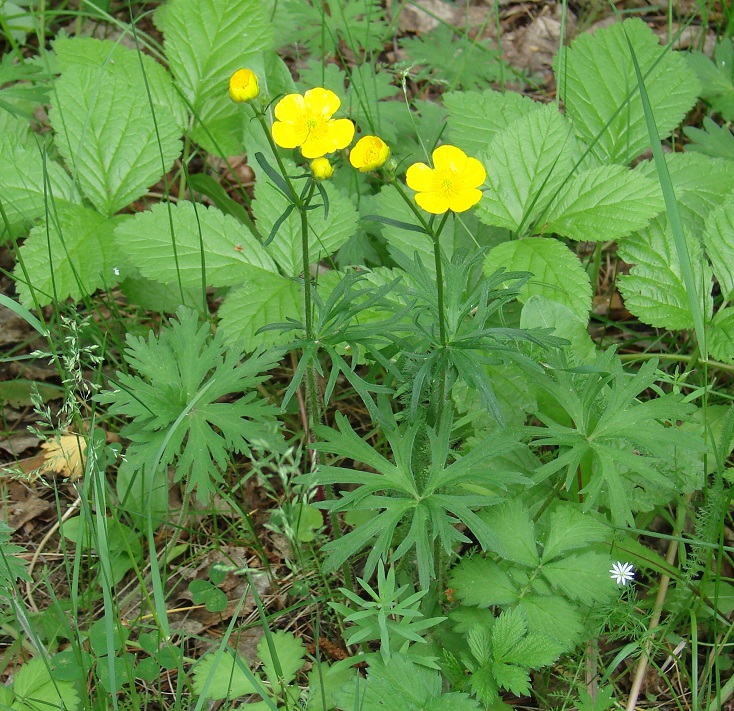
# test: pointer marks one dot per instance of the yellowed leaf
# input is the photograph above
(65, 455)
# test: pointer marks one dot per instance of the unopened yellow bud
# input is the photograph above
(322, 169)
(243, 86)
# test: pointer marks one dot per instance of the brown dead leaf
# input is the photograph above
(65, 455)
(21, 505)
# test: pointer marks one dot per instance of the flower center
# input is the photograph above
(311, 123)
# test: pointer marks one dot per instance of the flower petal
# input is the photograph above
(449, 158)
(435, 202)
(341, 132)
(287, 135)
(290, 108)
(322, 101)
(474, 173)
(464, 199)
(420, 177)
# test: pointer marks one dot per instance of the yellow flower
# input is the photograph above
(243, 86)
(370, 152)
(306, 121)
(451, 185)
(321, 168)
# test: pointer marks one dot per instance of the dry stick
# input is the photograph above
(654, 622)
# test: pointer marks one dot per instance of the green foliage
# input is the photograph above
(545, 570)
(502, 653)
(716, 77)
(12, 566)
(711, 140)
(388, 616)
(401, 685)
(450, 57)
(35, 689)
(599, 89)
(173, 403)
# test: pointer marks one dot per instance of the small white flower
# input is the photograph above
(116, 271)
(622, 572)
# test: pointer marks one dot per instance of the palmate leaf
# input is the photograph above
(711, 140)
(30, 182)
(206, 41)
(557, 272)
(166, 245)
(526, 164)
(106, 134)
(654, 290)
(716, 77)
(603, 203)
(476, 117)
(326, 234)
(599, 76)
(173, 401)
(36, 690)
(223, 677)
(289, 652)
(82, 256)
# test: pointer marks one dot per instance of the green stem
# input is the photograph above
(266, 130)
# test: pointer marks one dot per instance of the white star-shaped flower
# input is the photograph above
(622, 572)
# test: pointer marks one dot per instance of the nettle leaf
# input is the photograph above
(515, 532)
(187, 370)
(264, 299)
(135, 66)
(167, 241)
(701, 184)
(206, 41)
(718, 240)
(654, 290)
(289, 652)
(30, 181)
(325, 235)
(599, 76)
(720, 335)
(603, 203)
(557, 272)
(583, 577)
(476, 117)
(570, 529)
(526, 164)
(82, 256)
(221, 676)
(481, 582)
(106, 134)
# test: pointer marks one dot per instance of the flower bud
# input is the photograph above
(243, 86)
(369, 153)
(322, 169)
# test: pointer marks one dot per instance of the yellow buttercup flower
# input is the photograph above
(306, 121)
(321, 168)
(369, 152)
(243, 86)
(452, 184)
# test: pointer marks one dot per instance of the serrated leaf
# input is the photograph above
(222, 677)
(535, 651)
(654, 290)
(557, 271)
(479, 641)
(717, 81)
(718, 240)
(30, 182)
(540, 312)
(603, 203)
(599, 75)
(701, 184)
(555, 617)
(264, 299)
(711, 140)
(326, 235)
(720, 335)
(35, 690)
(134, 66)
(289, 652)
(513, 678)
(526, 163)
(512, 525)
(480, 581)
(484, 686)
(476, 117)
(82, 256)
(230, 251)
(106, 134)
(509, 628)
(583, 577)
(570, 529)
(206, 41)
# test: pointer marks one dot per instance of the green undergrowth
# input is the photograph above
(321, 448)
